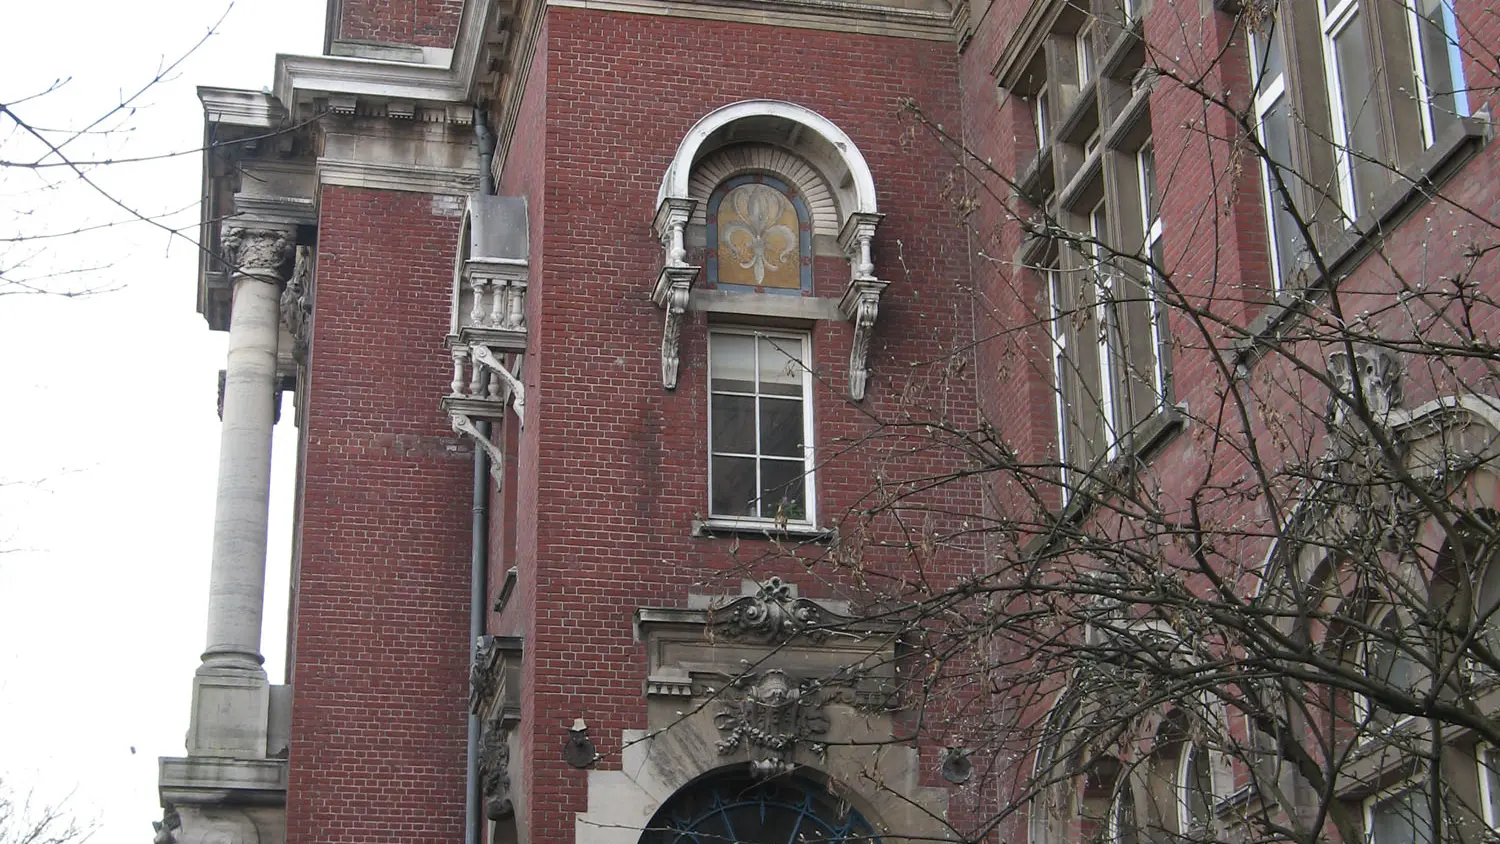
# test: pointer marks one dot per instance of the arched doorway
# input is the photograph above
(728, 808)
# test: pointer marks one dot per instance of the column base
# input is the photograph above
(231, 712)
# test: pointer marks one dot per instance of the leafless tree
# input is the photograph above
(1246, 588)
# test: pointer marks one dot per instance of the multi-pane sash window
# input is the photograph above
(760, 426)
(1354, 107)
(1439, 66)
(1273, 121)
(1145, 161)
(1400, 817)
(1057, 327)
(1106, 320)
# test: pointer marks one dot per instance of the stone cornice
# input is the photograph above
(404, 177)
(303, 76)
(827, 15)
(235, 107)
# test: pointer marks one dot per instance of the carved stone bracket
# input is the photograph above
(296, 304)
(167, 828)
(771, 616)
(464, 425)
(258, 253)
(484, 357)
(1378, 372)
(861, 300)
(861, 306)
(494, 770)
(674, 283)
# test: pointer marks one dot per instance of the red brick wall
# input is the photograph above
(378, 714)
(618, 461)
(420, 23)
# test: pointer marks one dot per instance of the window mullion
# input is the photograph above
(760, 503)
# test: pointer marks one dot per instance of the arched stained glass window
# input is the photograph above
(759, 236)
(736, 809)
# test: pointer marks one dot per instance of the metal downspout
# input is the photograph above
(478, 542)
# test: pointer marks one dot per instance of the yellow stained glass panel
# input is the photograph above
(759, 242)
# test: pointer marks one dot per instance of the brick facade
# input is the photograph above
(604, 483)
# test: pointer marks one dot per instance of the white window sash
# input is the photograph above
(1058, 332)
(1332, 23)
(1415, 22)
(1154, 230)
(804, 344)
(1104, 315)
(1265, 101)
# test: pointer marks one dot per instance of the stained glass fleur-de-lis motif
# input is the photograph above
(759, 231)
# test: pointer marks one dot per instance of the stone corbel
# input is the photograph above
(464, 425)
(674, 284)
(486, 358)
(861, 306)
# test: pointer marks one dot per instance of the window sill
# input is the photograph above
(756, 529)
(1346, 252)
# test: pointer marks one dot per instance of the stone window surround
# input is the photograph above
(837, 160)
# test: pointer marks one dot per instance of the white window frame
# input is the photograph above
(1331, 24)
(1455, 63)
(1265, 101)
(1190, 750)
(1154, 230)
(761, 522)
(1039, 118)
(1386, 796)
(1083, 46)
(1057, 329)
(1107, 325)
(1489, 783)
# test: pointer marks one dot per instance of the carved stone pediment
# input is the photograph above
(772, 616)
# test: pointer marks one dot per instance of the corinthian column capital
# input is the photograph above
(257, 252)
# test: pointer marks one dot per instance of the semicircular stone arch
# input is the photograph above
(724, 164)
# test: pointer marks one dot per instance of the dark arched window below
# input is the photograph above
(728, 809)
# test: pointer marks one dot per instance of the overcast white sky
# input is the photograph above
(108, 437)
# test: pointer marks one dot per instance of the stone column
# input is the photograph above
(230, 689)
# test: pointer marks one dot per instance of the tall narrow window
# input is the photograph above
(1085, 48)
(1489, 784)
(1039, 119)
(1400, 817)
(1439, 66)
(1195, 791)
(1388, 665)
(1123, 828)
(760, 428)
(1057, 326)
(1153, 252)
(1274, 129)
(1354, 107)
(1106, 322)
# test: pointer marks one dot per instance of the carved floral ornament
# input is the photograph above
(773, 615)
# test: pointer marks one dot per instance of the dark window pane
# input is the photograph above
(1287, 238)
(733, 486)
(784, 490)
(734, 424)
(781, 427)
(1361, 124)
